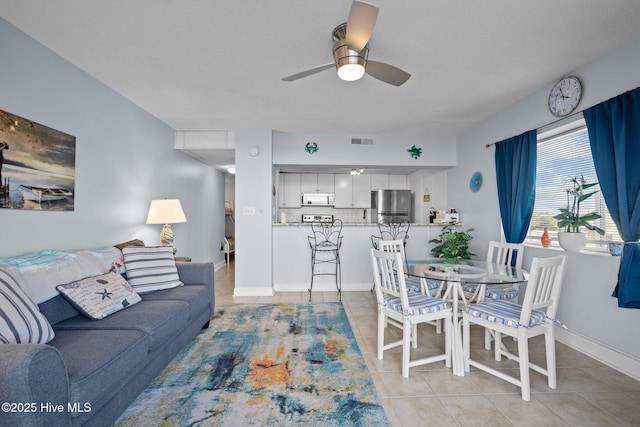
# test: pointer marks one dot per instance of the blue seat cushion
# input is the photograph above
(505, 313)
(160, 320)
(418, 304)
(494, 292)
(498, 292)
(197, 296)
(413, 284)
(433, 285)
(100, 360)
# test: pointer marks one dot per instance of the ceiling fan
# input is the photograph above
(351, 50)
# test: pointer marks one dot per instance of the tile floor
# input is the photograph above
(588, 393)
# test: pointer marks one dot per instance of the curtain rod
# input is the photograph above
(544, 128)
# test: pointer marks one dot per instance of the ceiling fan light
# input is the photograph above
(351, 72)
(349, 63)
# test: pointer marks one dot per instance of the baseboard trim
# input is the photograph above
(322, 287)
(252, 292)
(217, 266)
(611, 357)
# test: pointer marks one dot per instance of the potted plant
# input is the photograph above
(452, 245)
(570, 219)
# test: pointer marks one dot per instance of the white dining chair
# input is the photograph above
(398, 308)
(414, 283)
(503, 254)
(536, 316)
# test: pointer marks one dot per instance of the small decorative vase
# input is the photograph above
(572, 242)
(545, 239)
(615, 248)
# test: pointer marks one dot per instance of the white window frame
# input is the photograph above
(564, 127)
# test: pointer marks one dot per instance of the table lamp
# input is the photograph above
(166, 211)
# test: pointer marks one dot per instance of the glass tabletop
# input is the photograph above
(465, 271)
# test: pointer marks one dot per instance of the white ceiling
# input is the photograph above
(209, 65)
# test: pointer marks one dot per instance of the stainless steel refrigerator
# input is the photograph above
(388, 205)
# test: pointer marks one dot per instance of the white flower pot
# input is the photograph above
(572, 242)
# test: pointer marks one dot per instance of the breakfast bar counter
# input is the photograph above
(292, 255)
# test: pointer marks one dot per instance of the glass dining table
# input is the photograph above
(454, 275)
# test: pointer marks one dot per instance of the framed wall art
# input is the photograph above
(37, 165)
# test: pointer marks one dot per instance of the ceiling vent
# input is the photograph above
(362, 141)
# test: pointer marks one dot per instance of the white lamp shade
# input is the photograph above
(165, 211)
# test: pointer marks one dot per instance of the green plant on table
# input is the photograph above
(569, 218)
(452, 244)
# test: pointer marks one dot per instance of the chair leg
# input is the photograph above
(406, 349)
(382, 323)
(523, 355)
(313, 265)
(497, 337)
(338, 276)
(447, 340)
(550, 347)
(466, 345)
(414, 336)
(487, 339)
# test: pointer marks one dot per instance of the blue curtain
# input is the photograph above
(614, 132)
(516, 160)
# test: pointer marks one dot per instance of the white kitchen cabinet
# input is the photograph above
(343, 191)
(326, 183)
(352, 191)
(398, 182)
(289, 190)
(361, 191)
(317, 183)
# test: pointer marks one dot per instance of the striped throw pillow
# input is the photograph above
(20, 319)
(151, 268)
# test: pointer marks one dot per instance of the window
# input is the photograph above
(564, 151)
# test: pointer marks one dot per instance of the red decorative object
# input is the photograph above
(545, 239)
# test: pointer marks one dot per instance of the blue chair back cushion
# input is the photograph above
(505, 313)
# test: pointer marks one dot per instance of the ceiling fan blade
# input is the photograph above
(386, 73)
(308, 72)
(362, 19)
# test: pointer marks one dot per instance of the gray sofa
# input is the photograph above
(96, 368)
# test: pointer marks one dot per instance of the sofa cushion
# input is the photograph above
(20, 319)
(98, 297)
(58, 309)
(197, 296)
(151, 268)
(98, 361)
(160, 320)
(44, 270)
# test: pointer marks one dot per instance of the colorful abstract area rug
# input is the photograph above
(265, 365)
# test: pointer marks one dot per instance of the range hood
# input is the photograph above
(317, 199)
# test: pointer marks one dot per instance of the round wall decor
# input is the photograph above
(476, 181)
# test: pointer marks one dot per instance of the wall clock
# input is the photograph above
(476, 181)
(565, 96)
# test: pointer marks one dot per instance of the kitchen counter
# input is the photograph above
(292, 255)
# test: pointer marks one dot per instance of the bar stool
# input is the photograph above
(325, 249)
